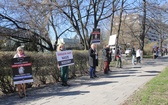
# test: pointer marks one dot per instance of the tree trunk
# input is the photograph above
(142, 35)
(112, 17)
(119, 26)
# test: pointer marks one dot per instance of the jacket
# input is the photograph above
(106, 54)
(92, 58)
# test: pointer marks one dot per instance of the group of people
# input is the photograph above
(93, 62)
(107, 58)
(63, 71)
(136, 54)
(156, 50)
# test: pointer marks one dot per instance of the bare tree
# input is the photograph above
(114, 6)
(80, 13)
(158, 14)
(33, 19)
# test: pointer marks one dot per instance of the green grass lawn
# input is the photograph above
(154, 92)
(148, 56)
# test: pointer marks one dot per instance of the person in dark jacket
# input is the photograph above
(93, 57)
(106, 57)
(133, 52)
(118, 57)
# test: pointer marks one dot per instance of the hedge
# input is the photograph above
(44, 67)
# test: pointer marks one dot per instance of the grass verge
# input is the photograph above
(155, 92)
(148, 56)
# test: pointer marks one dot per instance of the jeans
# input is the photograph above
(92, 71)
(133, 59)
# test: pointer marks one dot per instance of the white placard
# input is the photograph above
(112, 39)
(65, 58)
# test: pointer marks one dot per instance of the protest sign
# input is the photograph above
(22, 71)
(65, 58)
(96, 36)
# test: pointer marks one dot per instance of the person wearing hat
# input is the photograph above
(21, 87)
(64, 70)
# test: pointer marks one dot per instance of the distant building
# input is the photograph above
(70, 43)
(131, 29)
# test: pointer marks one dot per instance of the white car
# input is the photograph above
(127, 52)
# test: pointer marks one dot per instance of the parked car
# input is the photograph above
(127, 52)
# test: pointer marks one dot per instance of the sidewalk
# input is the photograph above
(112, 89)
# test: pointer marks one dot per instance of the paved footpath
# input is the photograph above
(111, 89)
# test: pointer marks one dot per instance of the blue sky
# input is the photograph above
(72, 34)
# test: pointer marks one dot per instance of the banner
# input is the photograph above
(22, 71)
(96, 36)
(65, 58)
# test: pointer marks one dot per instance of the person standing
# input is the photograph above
(138, 55)
(21, 87)
(109, 56)
(106, 58)
(63, 70)
(92, 60)
(118, 57)
(133, 52)
(154, 53)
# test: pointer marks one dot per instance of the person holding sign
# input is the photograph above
(92, 60)
(21, 87)
(64, 69)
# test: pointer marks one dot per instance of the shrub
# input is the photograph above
(44, 68)
(6, 85)
(148, 48)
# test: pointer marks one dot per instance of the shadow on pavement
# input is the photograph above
(61, 93)
(153, 71)
(31, 97)
(119, 76)
(126, 72)
(147, 75)
(137, 67)
(72, 93)
(98, 83)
